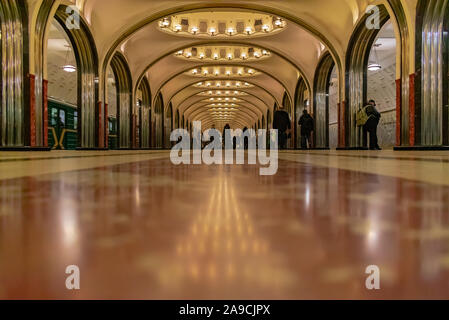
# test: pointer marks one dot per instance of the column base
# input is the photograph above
(91, 149)
(422, 148)
(25, 149)
(353, 149)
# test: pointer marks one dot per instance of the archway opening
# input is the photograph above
(111, 111)
(381, 79)
(168, 125)
(158, 123)
(333, 109)
(63, 73)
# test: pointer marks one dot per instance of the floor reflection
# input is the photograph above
(150, 230)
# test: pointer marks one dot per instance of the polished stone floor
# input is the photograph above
(139, 227)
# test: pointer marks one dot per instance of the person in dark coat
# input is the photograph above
(307, 126)
(282, 123)
(226, 136)
(372, 124)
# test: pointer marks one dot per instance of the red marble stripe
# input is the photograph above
(32, 111)
(341, 124)
(100, 131)
(106, 127)
(412, 110)
(45, 110)
(398, 111)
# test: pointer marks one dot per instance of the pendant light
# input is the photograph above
(68, 67)
(375, 66)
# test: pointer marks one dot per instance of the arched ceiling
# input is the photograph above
(137, 28)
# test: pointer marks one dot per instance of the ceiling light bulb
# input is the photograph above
(202, 55)
(212, 31)
(230, 31)
(179, 53)
(194, 30)
(278, 22)
(257, 54)
(216, 56)
(206, 72)
(218, 85)
(194, 71)
(228, 73)
(228, 84)
(230, 56)
(265, 52)
(178, 27)
(217, 73)
(250, 71)
(265, 28)
(244, 56)
(248, 30)
(208, 84)
(189, 54)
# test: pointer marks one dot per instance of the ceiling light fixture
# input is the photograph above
(69, 68)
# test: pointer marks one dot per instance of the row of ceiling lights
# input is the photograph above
(217, 72)
(230, 31)
(229, 56)
(219, 84)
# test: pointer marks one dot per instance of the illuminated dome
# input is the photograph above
(222, 24)
(223, 53)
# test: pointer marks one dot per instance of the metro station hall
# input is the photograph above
(122, 123)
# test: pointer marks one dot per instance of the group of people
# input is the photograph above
(282, 123)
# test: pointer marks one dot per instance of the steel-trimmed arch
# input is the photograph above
(123, 79)
(230, 42)
(249, 94)
(224, 64)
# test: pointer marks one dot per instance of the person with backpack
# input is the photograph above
(369, 118)
(282, 123)
(307, 126)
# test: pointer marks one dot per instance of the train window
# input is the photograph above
(75, 120)
(53, 117)
(62, 117)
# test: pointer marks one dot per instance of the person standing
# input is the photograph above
(282, 123)
(307, 126)
(226, 136)
(372, 124)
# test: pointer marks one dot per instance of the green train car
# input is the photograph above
(113, 142)
(62, 126)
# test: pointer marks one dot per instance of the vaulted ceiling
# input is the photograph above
(173, 43)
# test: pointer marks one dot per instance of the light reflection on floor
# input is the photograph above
(149, 230)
